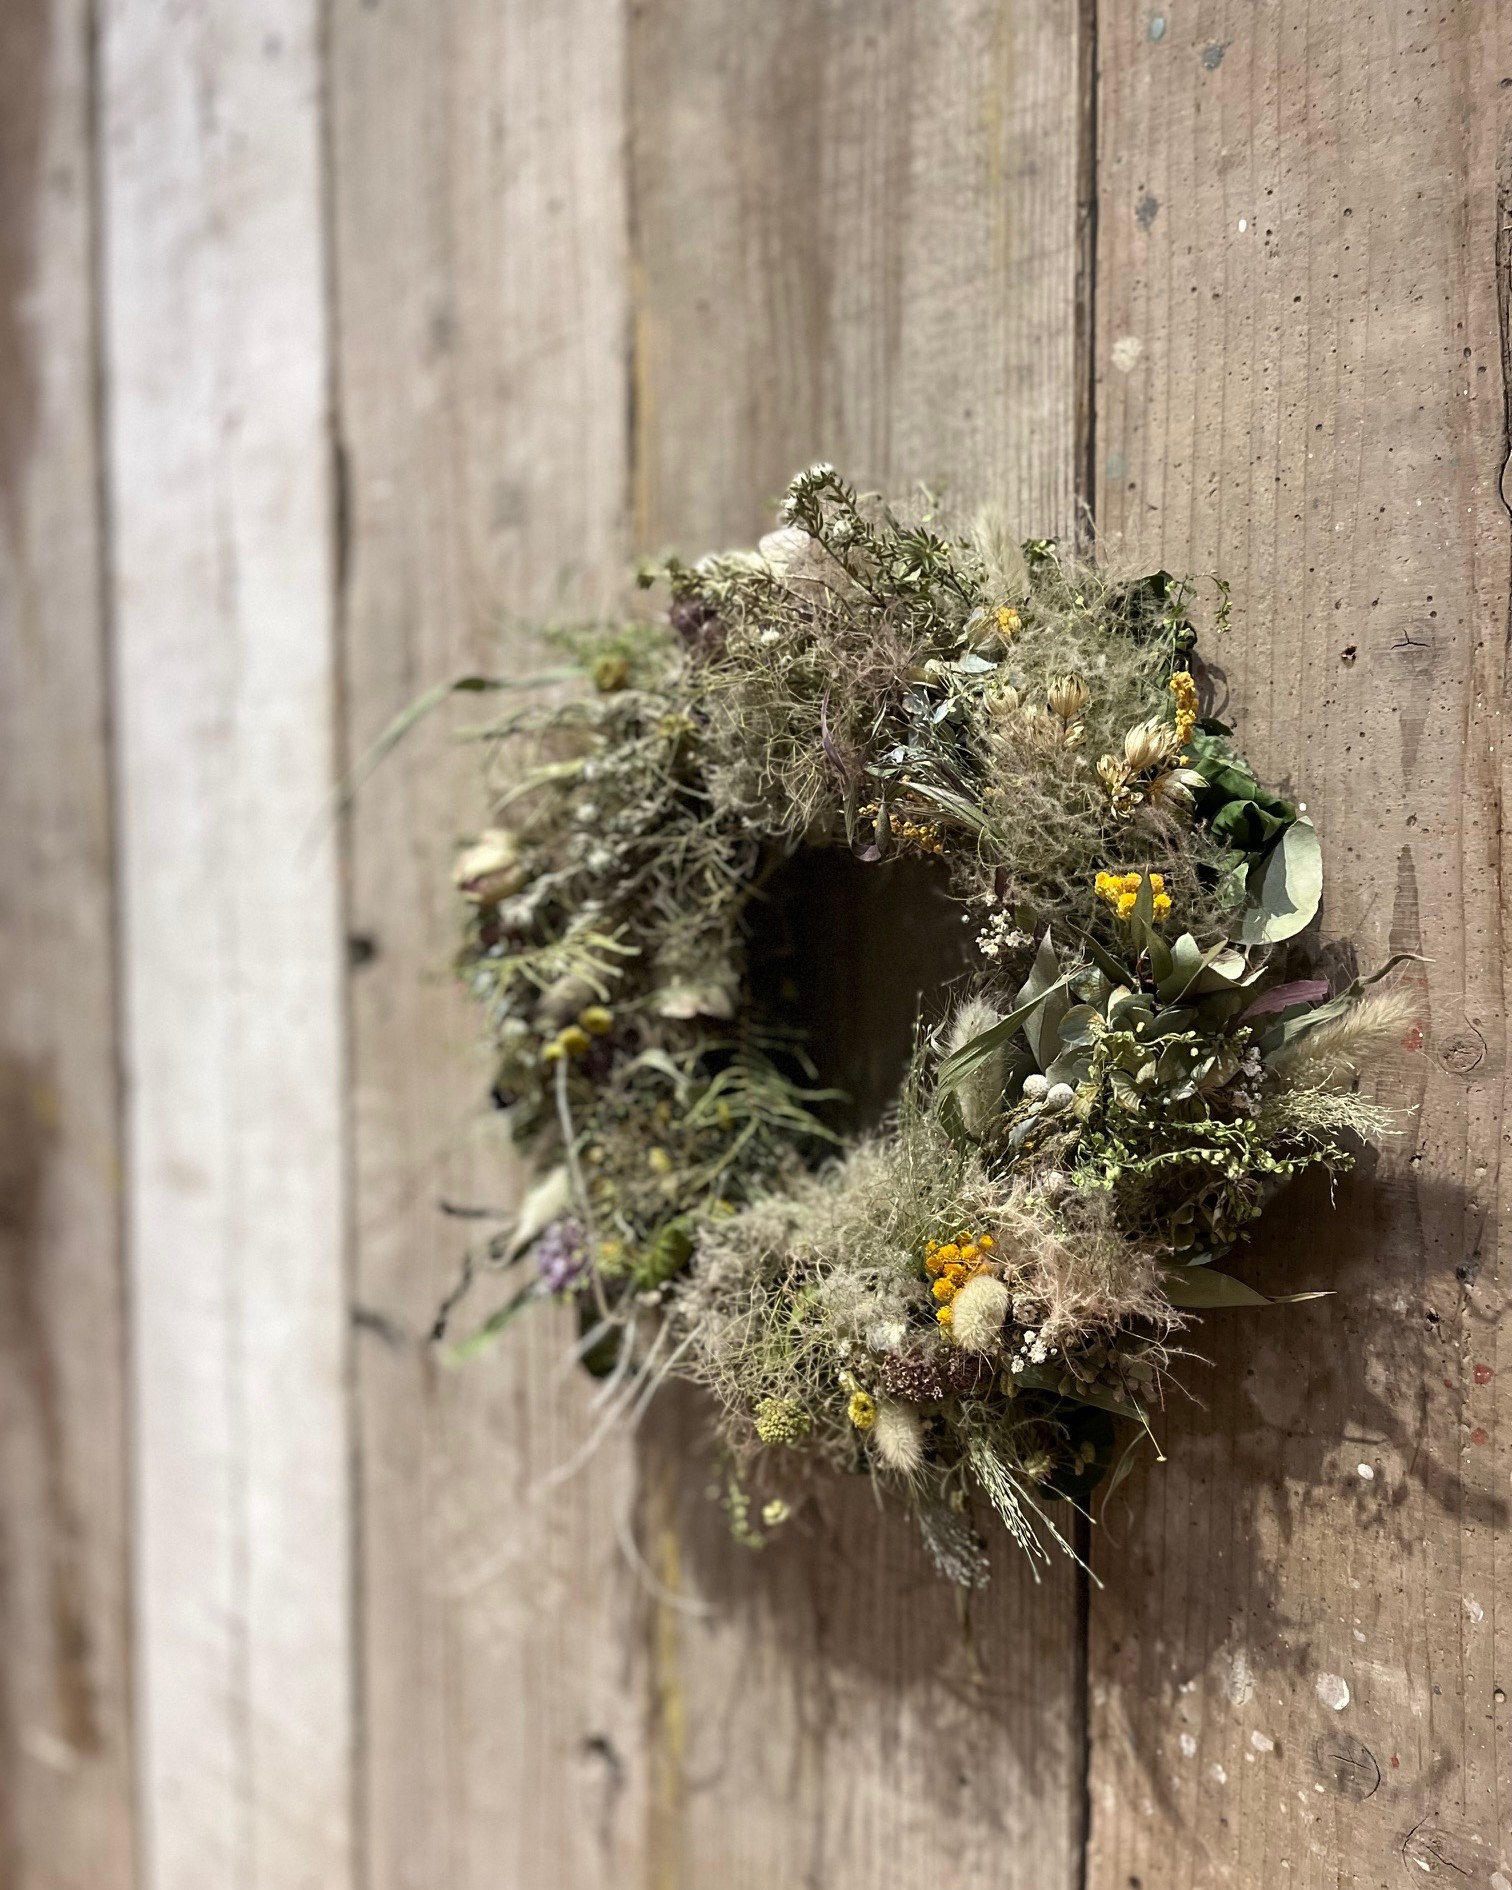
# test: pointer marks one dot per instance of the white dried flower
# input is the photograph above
(978, 1312)
(1068, 696)
(1001, 935)
(886, 1335)
(1176, 788)
(898, 1436)
(801, 564)
(1059, 1096)
(686, 998)
(1149, 743)
(1035, 1087)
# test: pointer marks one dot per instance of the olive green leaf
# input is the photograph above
(1205, 1289)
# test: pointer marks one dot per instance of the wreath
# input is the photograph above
(975, 1302)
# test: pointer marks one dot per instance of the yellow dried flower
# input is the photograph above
(862, 1410)
(1008, 621)
(1121, 892)
(596, 1020)
(781, 1421)
(611, 673)
(1184, 689)
(573, 1040)
(659, 1162)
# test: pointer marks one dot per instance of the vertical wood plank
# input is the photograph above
(65, 1757)
(856, 238)
(480, 228)
(1299, 1665)
(219, 487)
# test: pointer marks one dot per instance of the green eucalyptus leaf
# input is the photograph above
(1285, 887)
(1071, 1066)
(1042, 1378)
(1079, 1026)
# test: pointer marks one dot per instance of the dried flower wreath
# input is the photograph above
(966, 1302)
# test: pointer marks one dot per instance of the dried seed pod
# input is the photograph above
(913, 1375)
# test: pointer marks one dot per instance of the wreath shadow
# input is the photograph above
(842, 1613)
(848, 1624)
(1321, 1445)
(843, 1617)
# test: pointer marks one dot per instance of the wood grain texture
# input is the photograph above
(66, 1818)
(855, 239)
(482, 296)
(217, 357)
(1302, 293)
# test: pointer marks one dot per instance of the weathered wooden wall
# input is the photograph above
(1301, 381)
(332, 340)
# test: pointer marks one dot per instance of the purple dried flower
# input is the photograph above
(699, 626)
(561, 1256)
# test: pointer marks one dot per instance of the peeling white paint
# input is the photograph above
(1333, 1690)
(1125, 353)
(1240, 1684)
(1262, 1742)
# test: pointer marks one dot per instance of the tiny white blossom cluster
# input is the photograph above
(1001, 935)
(1033, 1350)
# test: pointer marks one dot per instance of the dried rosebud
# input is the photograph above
(491, 869)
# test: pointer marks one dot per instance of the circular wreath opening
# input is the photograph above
(969, 1296)
(851, 957)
